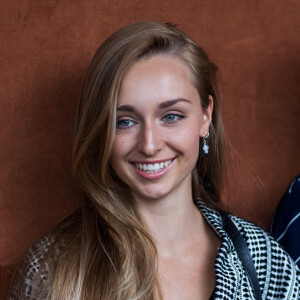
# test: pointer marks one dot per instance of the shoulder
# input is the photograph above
(33, 270)
(31, 264)
(278, 276)
(277, 272)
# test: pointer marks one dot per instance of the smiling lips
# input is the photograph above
(154, 170)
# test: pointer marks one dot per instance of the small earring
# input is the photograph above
(205, 147)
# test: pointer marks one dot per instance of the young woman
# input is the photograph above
(148, 155)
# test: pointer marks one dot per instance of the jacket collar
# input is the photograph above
(214, 219)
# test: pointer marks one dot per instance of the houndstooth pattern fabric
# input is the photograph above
(278, 276)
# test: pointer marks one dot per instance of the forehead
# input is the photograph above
(157, 78)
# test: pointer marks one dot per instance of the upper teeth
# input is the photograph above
(153, 167)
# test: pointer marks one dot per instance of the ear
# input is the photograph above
(207, 116)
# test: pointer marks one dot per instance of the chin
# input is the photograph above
(152, 194)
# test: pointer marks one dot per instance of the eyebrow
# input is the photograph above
(172, 102)
(168, 103)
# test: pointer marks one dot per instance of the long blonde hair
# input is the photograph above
(110, 253)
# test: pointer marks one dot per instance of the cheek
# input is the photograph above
(187, 140)
(122, 146)
(188, 136)
(192, 146)
(186, 143)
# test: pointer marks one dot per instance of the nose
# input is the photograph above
(150, 140)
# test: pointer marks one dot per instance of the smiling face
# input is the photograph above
(159, 122)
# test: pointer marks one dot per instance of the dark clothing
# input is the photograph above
(285, 225)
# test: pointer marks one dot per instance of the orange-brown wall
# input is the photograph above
(45, 49)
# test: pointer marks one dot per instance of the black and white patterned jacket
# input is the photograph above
(278, 276)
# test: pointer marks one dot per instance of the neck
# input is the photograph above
(172, 220)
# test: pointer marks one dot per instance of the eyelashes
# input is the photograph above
(125, 124)
(173, 117)
(168, 119)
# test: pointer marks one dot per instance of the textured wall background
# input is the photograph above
(45, 49)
